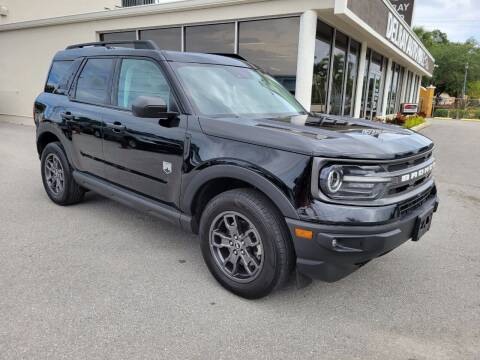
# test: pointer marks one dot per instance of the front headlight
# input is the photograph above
(353, 182)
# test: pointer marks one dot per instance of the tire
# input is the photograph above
(59, 184)
(269, 256)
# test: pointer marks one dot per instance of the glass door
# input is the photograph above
(372, 94)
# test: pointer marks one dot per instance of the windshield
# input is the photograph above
(229, 91)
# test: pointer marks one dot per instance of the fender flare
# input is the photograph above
(48, 127)
(251, 177)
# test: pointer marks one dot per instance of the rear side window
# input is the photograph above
(58, 72)
(94, 80)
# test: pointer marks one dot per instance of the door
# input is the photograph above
(83, 114)
(373, 95)
(144, 154)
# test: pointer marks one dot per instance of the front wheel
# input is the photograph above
(245, 243)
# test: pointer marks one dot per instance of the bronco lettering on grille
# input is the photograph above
(417, 174)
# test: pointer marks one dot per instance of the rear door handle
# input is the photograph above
(116, 126)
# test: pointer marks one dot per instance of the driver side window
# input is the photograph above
(141, 78)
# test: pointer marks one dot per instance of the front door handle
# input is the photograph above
(116, 126)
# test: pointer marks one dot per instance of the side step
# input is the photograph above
(132, 199)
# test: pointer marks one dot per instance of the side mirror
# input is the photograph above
(150, 107)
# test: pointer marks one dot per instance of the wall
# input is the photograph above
(24, 67)
(25, 10)
(426, 100)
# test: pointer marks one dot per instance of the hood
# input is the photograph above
(321, 135)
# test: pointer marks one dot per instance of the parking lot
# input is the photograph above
(101, 281)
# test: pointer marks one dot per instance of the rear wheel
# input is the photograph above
(245, 243)
(57, 176)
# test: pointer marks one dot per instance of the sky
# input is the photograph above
(460, 19)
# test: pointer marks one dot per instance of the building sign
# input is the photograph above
(399, 35)
(405, 9)
(379, 16)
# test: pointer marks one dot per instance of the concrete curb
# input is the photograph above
(468, 120)
(420, 127)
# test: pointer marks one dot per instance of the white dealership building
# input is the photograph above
(347, 57)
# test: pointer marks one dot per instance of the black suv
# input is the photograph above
(215, 145)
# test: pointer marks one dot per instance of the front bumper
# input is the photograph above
(335, 251)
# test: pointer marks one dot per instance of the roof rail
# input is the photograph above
(137, 44)
(229, 55)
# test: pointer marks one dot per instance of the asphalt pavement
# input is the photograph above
(99, 280)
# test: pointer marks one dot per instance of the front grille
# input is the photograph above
(414, 165)
(385, 181)
(409, 163)
(397, 190)
(412, 204)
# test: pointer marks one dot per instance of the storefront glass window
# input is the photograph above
(119, 36)
(215, 38)
(351, 82)
(272, 44)
(408, 87)
(321, 67)
(415, 90)
(395, 88)
(338, 73)
(420, 78)
(166, 39)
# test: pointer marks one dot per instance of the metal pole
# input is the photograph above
(465, 81)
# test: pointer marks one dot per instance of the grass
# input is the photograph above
(413, 121)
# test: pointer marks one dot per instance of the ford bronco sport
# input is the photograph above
(215, 145)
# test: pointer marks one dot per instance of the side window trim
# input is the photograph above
(77, 63)
(68, 76)
(48, 76)
(73, 87)
(115, 80)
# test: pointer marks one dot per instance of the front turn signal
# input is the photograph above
(302, 233)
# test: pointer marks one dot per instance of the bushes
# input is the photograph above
(458, 113)
(412, 121)
(441, 113)
(406, 121)
(472, 114)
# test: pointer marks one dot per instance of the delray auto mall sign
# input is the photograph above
(405, 9)
(381, 17)
(398, 34)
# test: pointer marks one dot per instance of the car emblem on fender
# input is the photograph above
(167, 167)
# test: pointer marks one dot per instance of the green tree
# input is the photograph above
(474, 89)
(429, 38)
(451, 58)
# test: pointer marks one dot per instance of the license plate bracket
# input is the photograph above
(423, 224)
